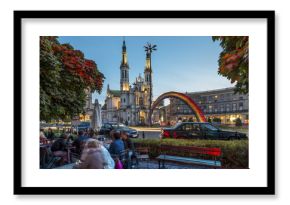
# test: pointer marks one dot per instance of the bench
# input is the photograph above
(190, 155)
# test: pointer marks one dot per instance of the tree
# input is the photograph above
(65, 77)
(216, 119)
(238, 122)
(234, 61)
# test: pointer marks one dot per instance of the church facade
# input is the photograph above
(129, 104)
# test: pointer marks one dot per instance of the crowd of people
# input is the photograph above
(92, 153)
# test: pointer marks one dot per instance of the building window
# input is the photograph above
(209, 108)
(222, 97)
(241, 98)
(209, 99)
(241, 106)
(141, 101)
(215, 108)
(228, 107)
(234, 107)
(222, 108)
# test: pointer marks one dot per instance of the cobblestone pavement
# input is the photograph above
(168, 165)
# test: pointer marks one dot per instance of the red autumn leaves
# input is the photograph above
(234, 57)
(74, 62)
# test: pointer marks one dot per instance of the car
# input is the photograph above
(108, 127)
(113, 126)
(132, 133)
(199, 130)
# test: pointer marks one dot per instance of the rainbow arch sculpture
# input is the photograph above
(186, 99)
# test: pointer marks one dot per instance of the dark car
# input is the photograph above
(108, 127)
(199, 130)
(132, 133)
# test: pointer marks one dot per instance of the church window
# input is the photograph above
(141, 101)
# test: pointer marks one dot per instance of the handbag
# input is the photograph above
(118, 164)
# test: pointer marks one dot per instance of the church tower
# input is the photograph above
(124, 69)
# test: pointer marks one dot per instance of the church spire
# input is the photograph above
(124, 55)
(124, 69)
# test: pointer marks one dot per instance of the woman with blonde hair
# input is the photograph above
(92, 156)
(93, 144)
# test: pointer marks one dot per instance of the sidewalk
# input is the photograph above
(168, 165)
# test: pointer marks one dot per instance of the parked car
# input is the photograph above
(108, 127)
(132, 133)
(199, 130)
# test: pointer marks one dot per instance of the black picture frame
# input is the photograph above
(268, 190)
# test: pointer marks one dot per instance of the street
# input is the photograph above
(150, 132)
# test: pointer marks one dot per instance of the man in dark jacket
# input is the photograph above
(129, 146)
(50, 134)
(80, 142)
(59, 148)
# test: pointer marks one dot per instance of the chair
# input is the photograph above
(52, 161)
(142, 154)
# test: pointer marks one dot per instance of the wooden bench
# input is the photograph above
(142, 154)
(190, 155)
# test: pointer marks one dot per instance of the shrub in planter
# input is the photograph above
(234, 153)
(238, 122)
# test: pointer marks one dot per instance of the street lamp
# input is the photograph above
(149, 49)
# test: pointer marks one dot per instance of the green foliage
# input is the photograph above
(238, 122)
(216, 119)
(234, 61)
(64, 77)
(234, 153)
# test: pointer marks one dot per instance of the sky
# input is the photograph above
(181, 63)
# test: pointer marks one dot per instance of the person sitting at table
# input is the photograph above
(50, 134)
(92, 156)
(42, 138)
(91, 133)
(59, 148)
(80, 142)
(117, 147)
(109, 163)
(129, 145)
(44, 153)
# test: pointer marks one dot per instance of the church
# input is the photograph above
(130, 104)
